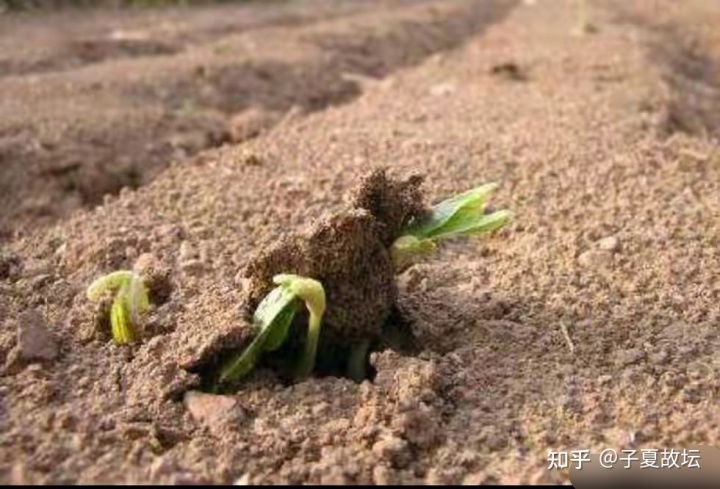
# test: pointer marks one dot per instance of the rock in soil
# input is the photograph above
(34, 340)
(216, 412)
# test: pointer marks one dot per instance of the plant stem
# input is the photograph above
(312, 292)
(307, 363)
(358, 358)
(122, 329)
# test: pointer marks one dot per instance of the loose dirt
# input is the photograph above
(589, 323)
(85, 115)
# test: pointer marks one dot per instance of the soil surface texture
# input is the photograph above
(190, 141)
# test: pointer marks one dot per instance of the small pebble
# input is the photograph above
(629, 357)
(442, 89)
(243, 480)
(320, 408)
(610, 243)
(251, 123)
(392, 449)
(35, 341)
(660, 358)
(595, 259)
(193, 267)
(381, 475)
(187, 252)
(213, 411)
(33, 268)
(604, 379)
(18, 475)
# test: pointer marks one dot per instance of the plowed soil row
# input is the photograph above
(589, 323)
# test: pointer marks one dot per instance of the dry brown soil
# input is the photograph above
(591, 322)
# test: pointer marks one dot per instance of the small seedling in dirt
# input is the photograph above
(129, 302)
(354, 258)
(462, 215)
(272, 321)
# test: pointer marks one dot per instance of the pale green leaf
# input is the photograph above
(475, 225)
(448, 211)
(108, 283)
(406, 248)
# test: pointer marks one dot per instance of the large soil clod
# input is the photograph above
(348, 253)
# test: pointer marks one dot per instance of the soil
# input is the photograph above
(591, 322)
(348, 252)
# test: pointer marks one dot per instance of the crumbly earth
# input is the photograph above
(348, 253)
(591, 322)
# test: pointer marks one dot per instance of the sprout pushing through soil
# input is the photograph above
(461, 215)
(272, 320)
(130, 301)
(353, 257)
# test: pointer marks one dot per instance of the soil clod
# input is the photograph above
(348, 254)
(509, 71)
(34, 339)
(214, 411)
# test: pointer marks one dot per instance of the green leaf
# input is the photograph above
(272, 321)
(131, 299)
(472, 225)
(241, 365)
(458, 208)
(460, 215)
(108, 283)
(280, 331)
(309, 290)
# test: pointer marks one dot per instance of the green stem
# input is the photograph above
(357, 361)
(122, 329)
(312, 292)
(307, 362)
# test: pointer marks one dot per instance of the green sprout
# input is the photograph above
(130, 301)
(272, 320)
(461, 215)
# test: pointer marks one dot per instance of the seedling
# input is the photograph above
(462, 215)
(129, 303)
(272, 320)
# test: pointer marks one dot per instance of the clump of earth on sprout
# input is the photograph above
(319, 300)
